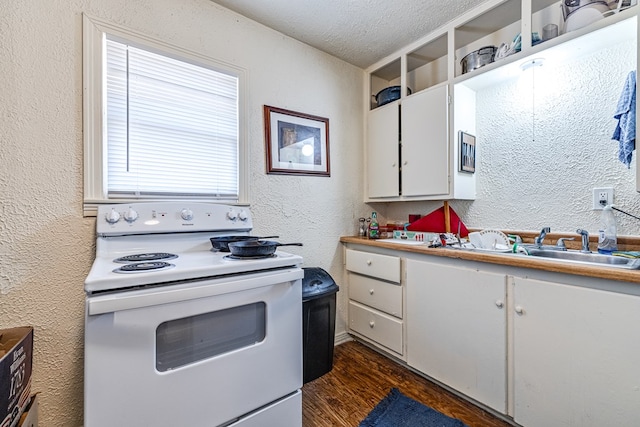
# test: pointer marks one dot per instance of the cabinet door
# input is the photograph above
(383, 145)
(425, 143)
(576, 356)
(456, 329)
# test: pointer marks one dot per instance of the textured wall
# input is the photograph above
(544, 142)
(46, 246)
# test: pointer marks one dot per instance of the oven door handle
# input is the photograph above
(187, 291)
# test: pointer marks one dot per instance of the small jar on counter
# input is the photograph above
(362, 228)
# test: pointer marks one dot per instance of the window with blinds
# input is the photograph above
(171, 127)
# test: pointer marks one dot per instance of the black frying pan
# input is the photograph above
(256, 248)
(222, 243)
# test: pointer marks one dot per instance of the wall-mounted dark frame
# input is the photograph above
(296, 143)
(467, 153)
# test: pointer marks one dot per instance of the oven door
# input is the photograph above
(200, 353)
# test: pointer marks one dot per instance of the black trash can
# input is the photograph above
(318, 322)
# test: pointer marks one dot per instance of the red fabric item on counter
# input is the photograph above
(434, 223)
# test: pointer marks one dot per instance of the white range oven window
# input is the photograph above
(183, 341)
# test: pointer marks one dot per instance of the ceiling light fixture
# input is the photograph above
(536, 62)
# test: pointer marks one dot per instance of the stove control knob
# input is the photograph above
(243, 216)
(186, 214)
(232, 215)
(112, 217)
(130, 215)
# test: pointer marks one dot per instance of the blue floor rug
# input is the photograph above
(398, 410)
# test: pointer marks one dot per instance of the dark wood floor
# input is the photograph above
(361, 377)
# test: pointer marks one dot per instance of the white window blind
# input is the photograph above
(171, 127)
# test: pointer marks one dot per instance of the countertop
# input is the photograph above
(522, 261)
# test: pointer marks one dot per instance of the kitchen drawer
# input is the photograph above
(381, 266)
(384, 296)
(375, 325)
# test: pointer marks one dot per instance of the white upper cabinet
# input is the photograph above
(407, 147)
(436, 97)
(424, 153)
(383, 128)
(407, 150)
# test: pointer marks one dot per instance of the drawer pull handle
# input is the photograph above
(370, 291)
(499, 303)
(368, 262)
(519, 310)
(372, 324)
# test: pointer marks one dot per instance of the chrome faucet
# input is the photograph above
(540, 239)
(585, 240)
(560, 245)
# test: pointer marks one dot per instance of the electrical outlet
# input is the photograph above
(602, 197)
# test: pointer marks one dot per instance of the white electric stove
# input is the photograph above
(179, 334)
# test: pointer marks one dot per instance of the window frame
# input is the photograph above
(95, 32)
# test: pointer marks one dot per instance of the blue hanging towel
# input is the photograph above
(625, 132)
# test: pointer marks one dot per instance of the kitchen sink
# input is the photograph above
(586, 258)
(570, 256)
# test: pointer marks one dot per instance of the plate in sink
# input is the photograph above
(495, 240)
(468, 246)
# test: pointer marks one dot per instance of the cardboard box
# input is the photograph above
(16, 353)
(30, 416)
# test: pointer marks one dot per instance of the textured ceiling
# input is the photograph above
(360, 32)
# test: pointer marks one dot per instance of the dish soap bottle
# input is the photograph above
(374, 227)
(607, 239)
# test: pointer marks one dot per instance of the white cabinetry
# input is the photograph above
(456, 329)
(376, 299)
(576, 356)
(383, 171)
(408, 151)
(543, 348)
(434, 61)
(425, 148)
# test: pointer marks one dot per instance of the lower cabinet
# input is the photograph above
(375, 325)
(544, 349)
(376, 300)
(576, 356)
(456, 329)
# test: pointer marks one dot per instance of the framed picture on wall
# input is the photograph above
(467, 153)
(296, 143)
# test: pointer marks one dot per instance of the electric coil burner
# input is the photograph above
(188, 336)
(153, 256)
(143, 266)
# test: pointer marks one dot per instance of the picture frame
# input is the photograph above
(296, 143)
(467, 153)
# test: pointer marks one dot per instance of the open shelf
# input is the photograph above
(427, 64)
(600, 35)
(500, 24)
(382, 78)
